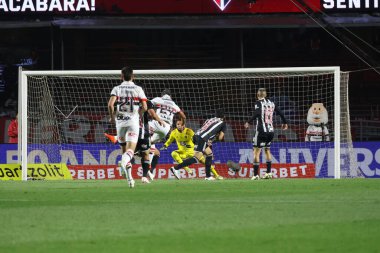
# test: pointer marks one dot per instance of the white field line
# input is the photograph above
(198, 201)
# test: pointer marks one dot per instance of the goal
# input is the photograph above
(63, 115)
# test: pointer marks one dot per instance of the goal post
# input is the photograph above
(337, 122)
(63, 114)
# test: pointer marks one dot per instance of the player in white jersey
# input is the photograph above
(128, 97)
(166, 110)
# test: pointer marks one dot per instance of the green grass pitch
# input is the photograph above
(191, 216)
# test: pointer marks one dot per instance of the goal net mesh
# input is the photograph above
(67, 116)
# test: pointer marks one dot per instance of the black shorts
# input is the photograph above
(262, 140)
(142, 145)
(199, 143)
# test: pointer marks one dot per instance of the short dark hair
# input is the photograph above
(166, 92)
(219, 113)
(180, 120)
(127, 73)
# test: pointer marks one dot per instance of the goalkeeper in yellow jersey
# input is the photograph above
(184, 138)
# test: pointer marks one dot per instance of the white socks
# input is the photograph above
(129, 173)
(126, 158)
(125, 163)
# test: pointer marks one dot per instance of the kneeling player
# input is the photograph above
(184, 139)
(212, 128)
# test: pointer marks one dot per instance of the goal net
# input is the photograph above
(64, 116)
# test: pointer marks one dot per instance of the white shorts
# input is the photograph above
(157, 131)
(127, 131)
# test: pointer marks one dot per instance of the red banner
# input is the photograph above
(89, 172)
(201, 6)
(117, 7)
(178, 7)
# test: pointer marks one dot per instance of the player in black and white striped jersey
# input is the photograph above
(213, 129)
(263, 119)
(143, 144)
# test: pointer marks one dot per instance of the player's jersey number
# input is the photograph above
(268, 115)
(126, 104)
(166, 113)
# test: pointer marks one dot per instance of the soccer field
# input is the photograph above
(191, 216)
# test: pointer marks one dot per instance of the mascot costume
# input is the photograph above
(317, 118)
